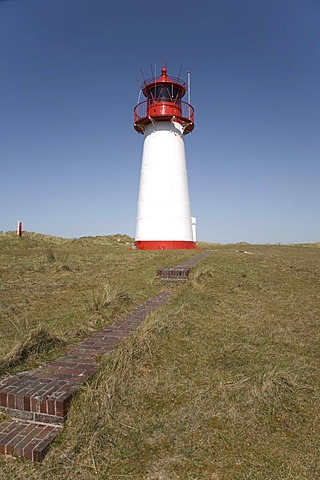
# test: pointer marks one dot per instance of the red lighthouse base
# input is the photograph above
(165, 245)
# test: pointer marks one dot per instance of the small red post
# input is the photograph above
(19, 228)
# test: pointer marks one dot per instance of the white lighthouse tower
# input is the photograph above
(164, 219)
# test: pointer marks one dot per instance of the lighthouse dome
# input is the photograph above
(163, 102)
(164, 88)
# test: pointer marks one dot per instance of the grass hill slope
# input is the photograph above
(222, 383)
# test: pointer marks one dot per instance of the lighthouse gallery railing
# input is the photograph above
(186, 115)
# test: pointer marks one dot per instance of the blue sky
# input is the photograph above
(70, 158)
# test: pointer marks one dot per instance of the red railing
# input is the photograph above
(171, 80)
(186, 111)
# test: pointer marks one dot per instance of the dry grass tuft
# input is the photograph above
(59, 262)
(51, 256)
(36, 342)
(201, 276)
(106, 303)
(107, 298)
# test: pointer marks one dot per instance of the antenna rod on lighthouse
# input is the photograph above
(189, 86)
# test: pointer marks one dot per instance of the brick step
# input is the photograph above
(43, 400)
(181, 272)
(25, 439)
(174, 273)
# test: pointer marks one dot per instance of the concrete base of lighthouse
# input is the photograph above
(164, 219)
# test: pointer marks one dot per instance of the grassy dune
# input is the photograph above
(69, 288)
(222, 383)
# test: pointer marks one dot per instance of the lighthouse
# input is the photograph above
(164, 220)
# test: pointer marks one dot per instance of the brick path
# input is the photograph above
(37, 401)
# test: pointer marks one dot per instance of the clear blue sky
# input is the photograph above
(70, 158)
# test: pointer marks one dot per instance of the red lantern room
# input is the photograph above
(163, 103)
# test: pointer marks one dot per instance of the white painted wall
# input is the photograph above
(194, 228)
(163, 204)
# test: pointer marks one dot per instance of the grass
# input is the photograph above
(222, 383)
(36, 342)
(70, 288)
